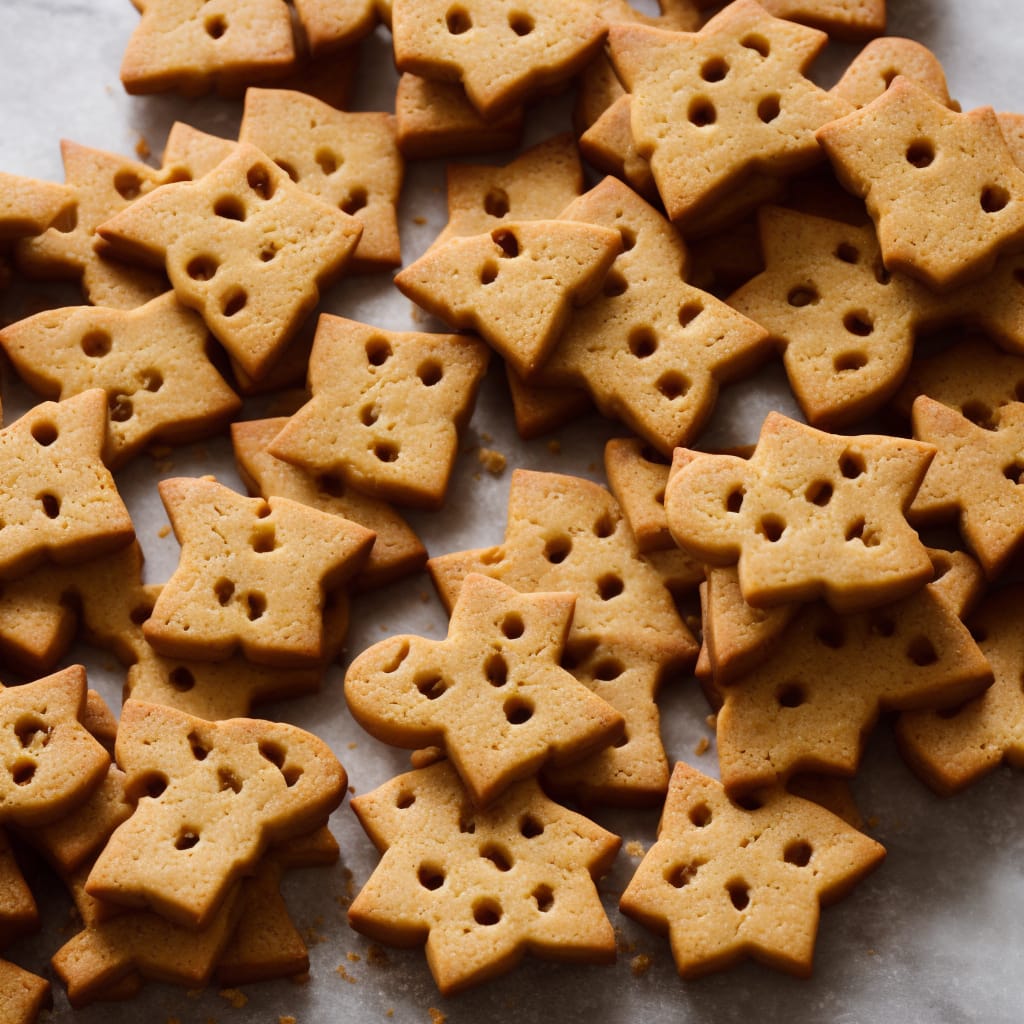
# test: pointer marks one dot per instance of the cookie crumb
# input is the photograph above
(712, 721)
(425, 757)
(377, 956)
(419, 220)
(641, 964)
(353, 958)
(635, 848)
(286, 1020)
(390, 1012)
(344, 975)
(622, 944)
(142, 150)
(493, 461)
(702, 746)
(436, 1016)
(236, 997)
(164, 531)
(353, 745)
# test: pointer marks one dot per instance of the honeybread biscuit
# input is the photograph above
(492, 694)
(253, 574)
(502, 55)
(211, 797)
(150, 361)
(809, 515)
(387, 409)
(102, 184)
(192, 45)
(692, 112)
(347, 160)
(446, 877)
(59, 501)
(254, 269)
(942, 187)
(29, 206)
(396, 552)
(726, 882)
(51, 762)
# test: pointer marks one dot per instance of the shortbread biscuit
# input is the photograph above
(29, 206)
(23, 995)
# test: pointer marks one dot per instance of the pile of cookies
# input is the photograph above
(747, 213)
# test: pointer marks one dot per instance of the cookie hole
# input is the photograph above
(756, 42)
(628, 236)
(803, 295)
(496, 670)
(847, 253)
(489, 272)
(791, 695)
(227, 779)
(230, 208)
(431, 685)
(224, 590)
(140, 613)
(263, 539)
(263, 510)
(255, 605)
(622, 740)
(700, 815)
(368, 415)
(430, 373)
(187, 839)
(978, 413)
(860, 531)
(153, 785)
(128, 185)
(714, 69)
(331, 484)
(858, 323)
(182, 679)
(497, 856)
(734, 500)
(851, 465)
(496, 203)
(199, 751)
(272, 752)
(259, 180)
(96, 344)
(702, 112)
(458, 20)
(673, 385)
(518, 711)
(512, 626)
(531, 827)
(659, 496)
(544, 898)
(921, 153)
(1014, 472)
(67, 220)
(29, 729)
(23, 771)
(921, 651)
(327, 160)
(610, 586)
(798, 852)
(882, 625)
(642, 342)
(234, 302)
(771, 527)
(994, 198)
(51, 505)
(882, 276)
(152, 380)
(44, 433)
(608, 669)
(430, 876)
(507, 242)
(847, 362)
(385, 451)
(216, 26)
(120, 408)
(688, 312)
(739, 894)
(769, 109)
(355, 201)
(604, 527)
(201, 268)
(467, 825)
(819, 493)
(378, 351)
(681, 875)
(292, 773)
(521, 24)
(614, 285)
(557, 550)
(487, 912)
(268, 253)
(400, 655)
(288, 169)
(405, 800)
(831, 634)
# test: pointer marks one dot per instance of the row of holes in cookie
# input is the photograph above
(458, 21)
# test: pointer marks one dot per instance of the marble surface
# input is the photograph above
(937, 934)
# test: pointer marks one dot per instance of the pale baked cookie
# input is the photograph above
(102, 185)
(29, 206)
(253, 574)
(253, 269)
(875, 68)
(941, 187)
(693, 115)
(841, 19)
(347, 160)
(492, 694)
(726, 882)
(190, 153)
(638, 477)
(650, 349)
(387, 409)
(332, 24)
(539, 410)
(150, 361)
(502, 54)
(193, 45)
(482, 888)
(516, 285)
(808, 515)
(608, 144)
(211, 798)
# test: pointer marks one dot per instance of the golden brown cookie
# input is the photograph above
(482, 888)
(332, 24)
(841, 19)
(875, 68)
(22, 994)
(29, 206)
(18, 912)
